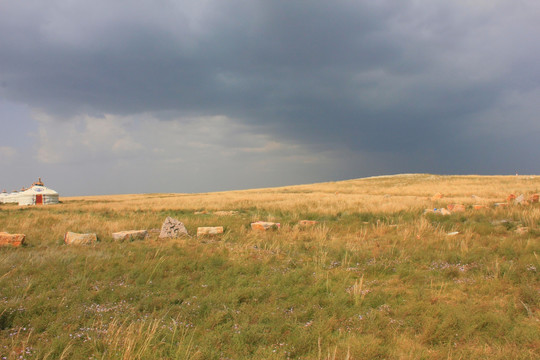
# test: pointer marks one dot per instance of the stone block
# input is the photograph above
(209, 230)
(264, 225)
(456, 207)
(130, 235)
(72, 238)
(14, 240)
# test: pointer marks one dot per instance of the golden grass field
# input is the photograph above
(375, 278)
(379, 194)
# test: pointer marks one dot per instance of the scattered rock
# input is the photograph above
(500, 222)
(445, 211)
(456, 207)
(522, 230)
(307, 222)
(500, 204)
(442, 211)
(519, 199)
(210, 230)
(72, 238)
(264, 225)
(453, 233)
(225, 213)
(172, 228)
(478, 207)
(476, 197)
(154, 231)
(201, 212)
(14, 240)
(437, 196)
(534, 198)
(510, 198)
(130, 235)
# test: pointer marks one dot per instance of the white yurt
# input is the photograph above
(3, 196)
(38, 194)
(12, 197)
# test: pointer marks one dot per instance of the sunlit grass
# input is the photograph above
(375, 278)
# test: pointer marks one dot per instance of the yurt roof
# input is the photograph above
(35, 190)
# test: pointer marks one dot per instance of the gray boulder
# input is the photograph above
(172, 228)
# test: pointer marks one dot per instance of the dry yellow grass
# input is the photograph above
(379, 194)
(374, 278)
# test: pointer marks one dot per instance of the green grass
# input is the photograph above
(358, 285)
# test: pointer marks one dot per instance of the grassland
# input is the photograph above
(374, 279)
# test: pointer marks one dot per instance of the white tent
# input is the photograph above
(38, 195)
(3, 196)
(12, 197)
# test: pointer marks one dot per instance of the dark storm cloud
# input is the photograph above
(362, 75)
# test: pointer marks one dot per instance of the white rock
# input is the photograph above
(209, 230)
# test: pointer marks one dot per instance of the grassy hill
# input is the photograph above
(375, 278)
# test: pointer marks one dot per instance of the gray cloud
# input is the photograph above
(417, 82)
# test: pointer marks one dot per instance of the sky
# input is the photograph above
(110, 97)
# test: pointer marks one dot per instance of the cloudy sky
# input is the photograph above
(104, 97)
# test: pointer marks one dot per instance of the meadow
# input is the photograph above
(375, 278)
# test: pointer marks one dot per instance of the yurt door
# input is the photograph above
(39, 199)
